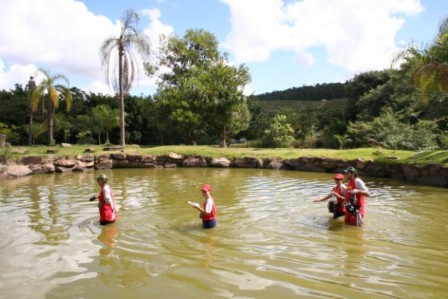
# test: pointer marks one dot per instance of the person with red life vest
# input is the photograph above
(208, 208)
(106, 202)
(337, 206)
(355, 198)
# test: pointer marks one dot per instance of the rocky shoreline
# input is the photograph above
(430, 175)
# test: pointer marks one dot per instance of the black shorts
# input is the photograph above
(105, 222)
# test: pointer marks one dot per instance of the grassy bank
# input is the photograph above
(376, 154)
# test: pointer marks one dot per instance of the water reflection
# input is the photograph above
(271, 240)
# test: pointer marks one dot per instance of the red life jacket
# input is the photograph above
(349, 218)
(106, 211)
(339, 201)
(212, 215)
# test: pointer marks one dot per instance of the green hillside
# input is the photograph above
(275, 105)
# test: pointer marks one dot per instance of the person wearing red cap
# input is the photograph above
(338, 192)
(208, 208)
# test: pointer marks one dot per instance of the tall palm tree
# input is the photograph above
(119, 61)
(48, 89)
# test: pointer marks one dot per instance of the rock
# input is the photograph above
(14, 170)
(194, 161)
(65, 162)
(220, 162)
(86, 158)
(247, 163)
(275, 163)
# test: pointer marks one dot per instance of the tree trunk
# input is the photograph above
(223, 138)
(120, 78)
(30, 128)
(50, 123)
(107, 138)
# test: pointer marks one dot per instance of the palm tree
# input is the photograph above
(50, 90)
(122, 73)
(430, 65)
(106, 119)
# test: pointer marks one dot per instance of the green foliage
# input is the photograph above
(280, 133)
(10, 133)
(359, 86)
(106, 119)
(37, 129)
(443, 140)
(318, 92)
(201, 92)
(49, 89)
(390, 132)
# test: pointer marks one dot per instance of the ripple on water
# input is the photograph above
(271, 239)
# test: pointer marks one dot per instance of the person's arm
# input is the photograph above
(325, 197)
(361, 188)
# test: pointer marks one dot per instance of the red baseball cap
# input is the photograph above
(339, 176)
(206, 188)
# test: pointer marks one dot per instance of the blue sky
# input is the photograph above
(284, 44)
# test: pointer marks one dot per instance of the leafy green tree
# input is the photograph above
(280, 133)
(225, 110)
(391, 132)
(201, 91)
(85, 126)
(120, 62)
(360, 85)
(106, 119)
(37, 129)
(62, 125)
(49, 89)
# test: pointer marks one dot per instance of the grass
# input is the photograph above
(376, 154)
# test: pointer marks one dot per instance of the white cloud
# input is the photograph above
(358, 35)
(62, 36)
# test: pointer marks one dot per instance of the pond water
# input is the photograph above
(271, 240)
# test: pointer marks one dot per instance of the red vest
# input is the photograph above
(212, 215)
(349, 218)
(339, 201)
(106, 211)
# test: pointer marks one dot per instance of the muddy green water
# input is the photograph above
(271, 241)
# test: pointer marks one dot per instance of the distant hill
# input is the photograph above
(321, 96)
(275, 105)
(326, 91)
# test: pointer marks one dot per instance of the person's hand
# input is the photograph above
(92, 198)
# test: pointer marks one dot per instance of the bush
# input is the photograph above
(280, 133)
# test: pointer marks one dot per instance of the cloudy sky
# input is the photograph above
(285, 44)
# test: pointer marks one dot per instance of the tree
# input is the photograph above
(49, 89)
(201, 91)
(280, 133)
(430, 65)
(30, 88)
(106, 119)
(120, 63)
(226, 109)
